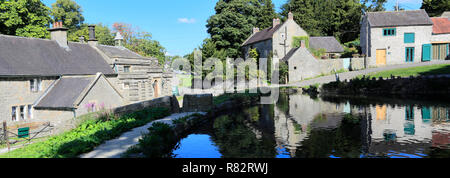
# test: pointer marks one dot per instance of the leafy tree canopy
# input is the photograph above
(339, 18)
(435, 8)
(27, 18)
(234, 21)
(69, 12)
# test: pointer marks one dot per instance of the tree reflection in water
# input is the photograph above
(301, 127)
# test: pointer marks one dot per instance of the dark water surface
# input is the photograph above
(301, 127)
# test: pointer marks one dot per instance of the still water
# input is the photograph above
(299, 126)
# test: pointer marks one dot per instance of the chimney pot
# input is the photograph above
(92, 41)
(255, 30)
(59, 34)
(276, 22)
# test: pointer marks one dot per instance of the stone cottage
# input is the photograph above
(276, 39)
(398, 37)
(55, 80)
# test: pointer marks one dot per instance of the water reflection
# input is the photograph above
(301, 127)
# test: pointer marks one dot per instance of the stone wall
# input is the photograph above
(328, 66)
(16, 92)
(357, 64)
(197, 103)
(302, 65)
(169, 102)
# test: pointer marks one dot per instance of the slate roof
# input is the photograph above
(441, 25)
(328, 43)
(400, 18)
(262, 35)
(118, 51)
(289, 54)
(21, 56)
(59, 98)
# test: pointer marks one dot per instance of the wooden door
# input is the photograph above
(381, 56)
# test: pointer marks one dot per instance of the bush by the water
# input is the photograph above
(157, 143)
(91, 133)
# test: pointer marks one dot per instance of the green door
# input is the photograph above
(426, 52)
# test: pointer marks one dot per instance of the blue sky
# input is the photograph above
(179, 25)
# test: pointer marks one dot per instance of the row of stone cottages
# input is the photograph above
(387, 38)
(55, 80)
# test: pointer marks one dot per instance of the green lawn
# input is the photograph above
(414, 71)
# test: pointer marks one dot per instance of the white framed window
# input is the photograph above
(30, 112)
(35, 85)
(14, 113)
(22, 113)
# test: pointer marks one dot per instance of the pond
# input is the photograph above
(299, 126)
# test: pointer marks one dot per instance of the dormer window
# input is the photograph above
(35, 85)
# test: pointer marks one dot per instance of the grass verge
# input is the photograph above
(93, 131)
(440, 69)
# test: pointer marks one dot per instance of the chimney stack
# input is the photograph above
(290, 16)
(255, 30)
(92, 41)
(59, 34)
(302, 44)
(276, 22)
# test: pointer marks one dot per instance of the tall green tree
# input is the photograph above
(435, 8)
(28, 18)
(373, 5)
(339, 18)
(69, 12)
(234, 20)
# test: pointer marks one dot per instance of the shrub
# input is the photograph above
(91, 133)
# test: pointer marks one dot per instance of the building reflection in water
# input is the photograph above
(385, 130)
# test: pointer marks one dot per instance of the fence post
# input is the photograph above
(5, 134)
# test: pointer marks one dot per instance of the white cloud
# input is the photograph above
(187, 20)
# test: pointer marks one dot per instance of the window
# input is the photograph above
(35, 85)
(13, 113)
(409, 54)
(22, 112)
(409, 38)
(389, 32)
(30, 112)
(126, 85)
(126, 69)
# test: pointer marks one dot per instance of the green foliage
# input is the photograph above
(373, 5)
(91, 133)
(350, 48)
(159, 142)
(102, 33)
(69, 12)
(283, 72)
(240, 97)
(297, 40)
(435, 8)
(141, 42)
(27, 18)
(317, 53)
(234, 20)
(338, 18)
(253, 53)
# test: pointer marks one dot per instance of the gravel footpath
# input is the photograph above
(354, 74)
(116, 147)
